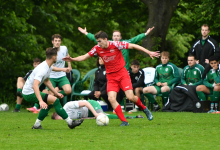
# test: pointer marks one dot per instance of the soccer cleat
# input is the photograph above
(124, 123)
(217, 112)
(156, 108)
(129, 117)
(32, 109)
(75, 123)
(19, 94)
(39, 109)
(16, 110)
(148, 114)
(139, 116)
(39, 127)
(211, 111)
(35, 112)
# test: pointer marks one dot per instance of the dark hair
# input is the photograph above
(212, 58)
(205, 25)
(37, 60)
(135, 62)
(101, 34)
(56, 36)
(116, 31)
(165, 53)
(50, 52)
(191, 55)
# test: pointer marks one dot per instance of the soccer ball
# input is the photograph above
(102, 120)
(4, 107)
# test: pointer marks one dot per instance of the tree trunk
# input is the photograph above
(160, 14)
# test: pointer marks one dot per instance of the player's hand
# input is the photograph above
(164, 84)
(159, 84)
(66, 70)
(97, 94)
(67, 58)
(154, 54)
(59, 95)
(43, 105)
(149, 30)
(207, 61)
(83, 30)
(197, 61)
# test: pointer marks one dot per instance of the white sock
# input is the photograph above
(68, 120)
(35, 107)
(37, 123)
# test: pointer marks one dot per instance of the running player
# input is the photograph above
(117, 75)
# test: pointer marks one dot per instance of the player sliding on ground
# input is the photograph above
(86, 109)
(32, 94)
(117, 75)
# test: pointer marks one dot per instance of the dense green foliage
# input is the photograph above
(27, 26)
(182, 131)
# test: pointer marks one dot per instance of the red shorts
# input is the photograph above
(117, 80)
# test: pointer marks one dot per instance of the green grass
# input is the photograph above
(167, 131)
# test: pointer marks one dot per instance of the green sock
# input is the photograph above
(59, 109)
(44, 112)
(18, 106)
(19, 90)
(116, 117)
(165, 96)
(150, 97)
(62, 92)
(216, 95)
(201, 95)
(36, 105)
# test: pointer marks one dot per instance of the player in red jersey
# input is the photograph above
(117, 75)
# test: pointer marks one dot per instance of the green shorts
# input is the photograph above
(32, 97)
(158, 88)
(96, 106)
(59, 81)
(211, 90)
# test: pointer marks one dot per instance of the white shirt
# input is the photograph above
(63, 52)
(40, 73)
(74, 111)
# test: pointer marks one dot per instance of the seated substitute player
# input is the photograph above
(192, 73)
(116, 36)
(116, 73)
(20, 84)
(137, 79)
(85, 109)
(210, 87)
(166, 74)
(32, 94)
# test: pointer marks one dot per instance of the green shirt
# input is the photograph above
(192, 75)
(125, 52)
(167, 73)
(209, 79)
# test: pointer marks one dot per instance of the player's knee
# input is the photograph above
(199, 88)
(165, 89)
(111, 99)
(68, 91)
(217, 88)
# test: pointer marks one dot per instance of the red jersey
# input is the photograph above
(112, 56)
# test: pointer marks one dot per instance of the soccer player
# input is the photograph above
(58, 75)
(85, 109)
(20, 85)
(32, 94)
(210, 87)
(116, 73)
(166, 74)
(192, 73)
(116, 36)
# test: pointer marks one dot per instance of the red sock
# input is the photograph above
(119, 113)
(139, 104)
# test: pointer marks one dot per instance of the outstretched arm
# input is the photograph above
(89, 106)
(83, 30)
(140, 48)
(79, 58)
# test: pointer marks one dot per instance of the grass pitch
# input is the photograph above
(169, 131)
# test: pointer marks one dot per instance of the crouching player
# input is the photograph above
(32, 94)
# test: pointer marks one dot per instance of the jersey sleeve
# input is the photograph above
(27, 75)
(121, 45)
(39, 76)
(93, 52)
(136, 39)
(183, 76)
(67, 51)
(91, 37)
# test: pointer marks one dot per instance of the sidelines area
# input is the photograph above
(167, 131)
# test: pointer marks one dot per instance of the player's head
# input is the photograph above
(213, 61)
(55, 116)
(51, 53)
(205, 30)
(100, 61)
(191, 60)
(135, 66)
(36, 62)
(56, 40)
(102, 39)
(116, 36)
(165, 56)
